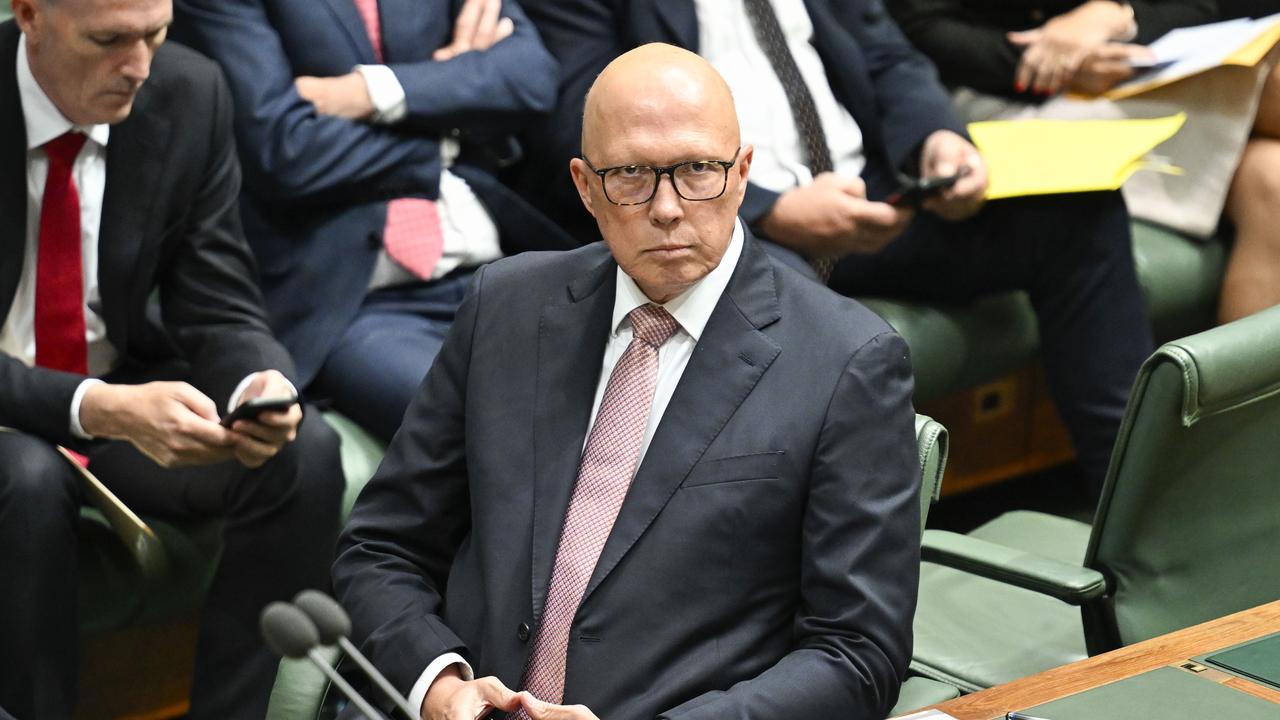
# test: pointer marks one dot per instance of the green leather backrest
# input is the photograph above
(931, 440)
(1188, 528)
(300, 688)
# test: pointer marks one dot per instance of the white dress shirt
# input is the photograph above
(44, 122)
(691, 310)
(727, 41)
(469, 234)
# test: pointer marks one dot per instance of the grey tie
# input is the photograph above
(813, 139)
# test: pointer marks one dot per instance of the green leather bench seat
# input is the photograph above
(960, 346)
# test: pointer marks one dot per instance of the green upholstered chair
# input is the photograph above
(302, 692)
(1186, 531)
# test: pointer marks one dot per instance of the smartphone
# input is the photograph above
(911, 192)
(251, 409)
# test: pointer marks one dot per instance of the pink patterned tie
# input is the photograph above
(607, 467)
(412, 235)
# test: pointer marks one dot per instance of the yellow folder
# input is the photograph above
(1042, 157)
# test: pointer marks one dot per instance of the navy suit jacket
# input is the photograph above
(169, 232)
(891, 90)
(764, 562)
(316, 187)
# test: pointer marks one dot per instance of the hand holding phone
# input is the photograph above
(251, 409)
(912, 192)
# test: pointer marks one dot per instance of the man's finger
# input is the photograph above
(1024, 38)
(464, 28)
(878, 214)
(196, 401)
(505, 28)
(487, 26)
(492, 691)
(252, 452)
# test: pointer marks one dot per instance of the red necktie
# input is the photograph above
(59, 317)
(604, 475)
(412, 235)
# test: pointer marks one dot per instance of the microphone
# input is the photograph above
(334, 625)
(290, 633)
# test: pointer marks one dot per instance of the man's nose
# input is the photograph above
(137, 66)
(666, 206)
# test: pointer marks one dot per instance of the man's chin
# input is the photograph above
(114, 109)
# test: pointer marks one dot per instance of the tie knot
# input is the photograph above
(63, 149)
(652, 324)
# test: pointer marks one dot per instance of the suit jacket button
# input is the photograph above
(375, 239)
(522, 632)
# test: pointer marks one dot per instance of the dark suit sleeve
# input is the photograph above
(290, 152)
(485, 93)
(913, 103)
(209, 299)
(395, 554)
(859, 558)
(37, 400)
(967, 53)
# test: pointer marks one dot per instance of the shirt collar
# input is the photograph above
(691, 308)
(43, 119)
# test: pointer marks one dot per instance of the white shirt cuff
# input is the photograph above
(76, 428)
(234, 402)
(418, 694)
(385, 92)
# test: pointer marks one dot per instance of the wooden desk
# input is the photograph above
(1127, 661)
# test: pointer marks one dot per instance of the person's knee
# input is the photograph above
(309, 469)
(36, 480)
(1257, 179)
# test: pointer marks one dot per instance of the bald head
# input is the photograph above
(657, 87)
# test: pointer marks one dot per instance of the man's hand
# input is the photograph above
(539, 710)
(1108, 66)
(452, 698)
(946, 153)
(172, 423)
(257, 441)
(479, 26)
(1053, 52)
(344, 96)
(831, 217)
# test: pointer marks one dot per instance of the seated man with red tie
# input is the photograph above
(369, 131)
(131, 323)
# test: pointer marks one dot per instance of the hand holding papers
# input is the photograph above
(1041, 157)
(1187, 51)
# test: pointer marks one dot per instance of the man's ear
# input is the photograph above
(582, 179)
(27, 14)
(743, 168)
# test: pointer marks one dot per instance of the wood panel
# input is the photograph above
(1000, 430)
(142, 672)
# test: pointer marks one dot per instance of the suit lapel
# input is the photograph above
(135, 165)
(13, 165)
(349, 19)
(680, 17)
(571, 342)
(731, 356)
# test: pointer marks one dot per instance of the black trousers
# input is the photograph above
(1073, 255)
(280, 528)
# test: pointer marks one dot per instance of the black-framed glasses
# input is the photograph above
(695, 180)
